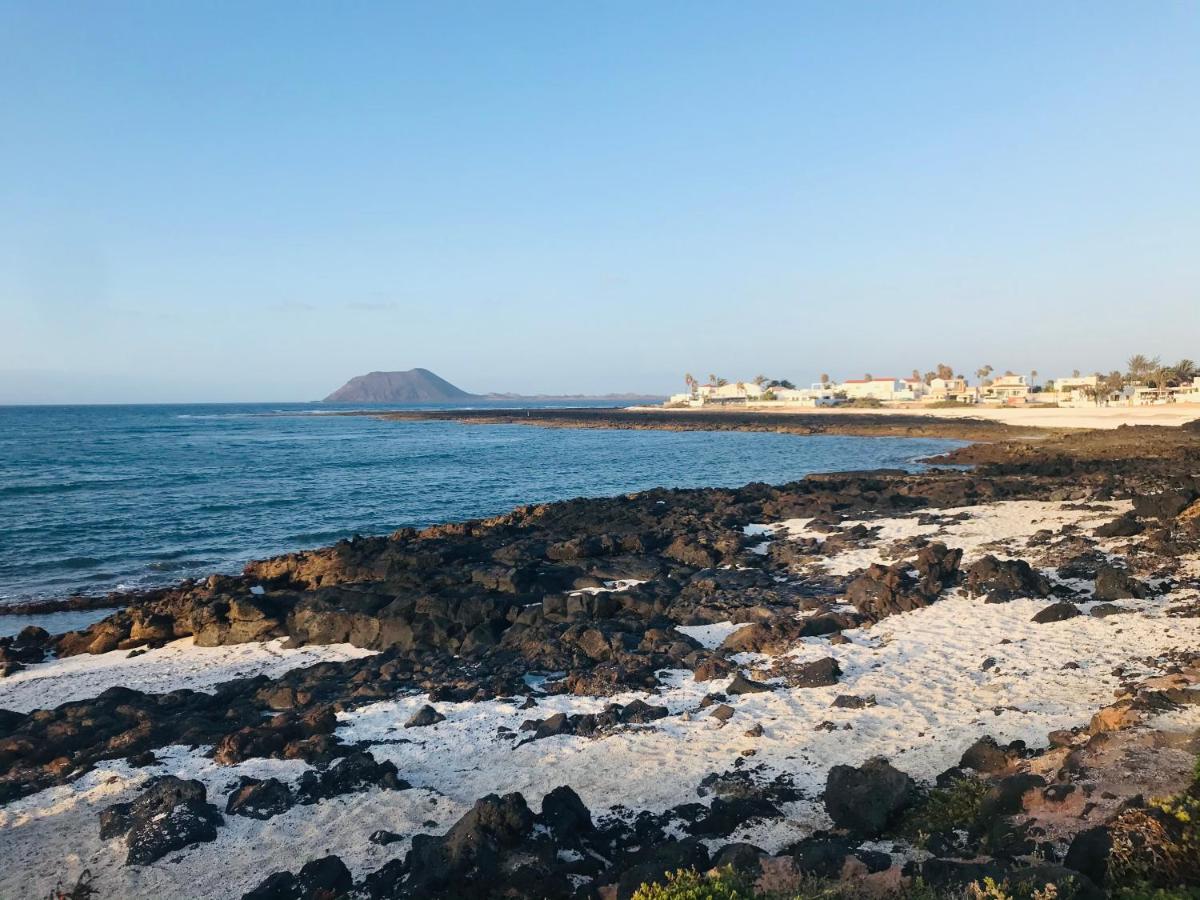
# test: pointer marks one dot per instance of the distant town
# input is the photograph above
(1145, 381)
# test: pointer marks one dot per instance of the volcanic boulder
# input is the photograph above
(882, 591)
(169, 815)
(1004, 580)
(867, 799)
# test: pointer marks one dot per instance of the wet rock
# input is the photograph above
(168, 815)
(867, 799)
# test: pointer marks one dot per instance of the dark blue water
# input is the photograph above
(94, 498)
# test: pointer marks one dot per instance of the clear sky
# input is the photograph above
(257, 200)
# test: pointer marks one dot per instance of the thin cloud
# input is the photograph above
(362, 306)
(292, 306)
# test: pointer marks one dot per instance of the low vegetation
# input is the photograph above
(726, 884)
(955, 807)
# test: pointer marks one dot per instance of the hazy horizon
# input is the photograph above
(223, 203)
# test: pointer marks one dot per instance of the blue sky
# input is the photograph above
(255, 201)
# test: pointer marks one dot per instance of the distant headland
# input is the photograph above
(422, 386)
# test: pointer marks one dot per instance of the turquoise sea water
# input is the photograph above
(96, 498)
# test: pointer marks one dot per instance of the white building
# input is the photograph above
(817, 395)
(946, 389)
(732, 392)
(1007, 389)
(882, 389)
(1078, 390)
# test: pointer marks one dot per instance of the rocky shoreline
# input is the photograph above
(505, 695)
(860, 424)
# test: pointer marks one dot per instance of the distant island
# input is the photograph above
(423, 386)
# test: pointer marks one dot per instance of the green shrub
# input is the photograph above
(1143, 891)
(725, 884)
(946, 809)
(688, 884)
(1158, 846)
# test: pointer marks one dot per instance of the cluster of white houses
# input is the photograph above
(1010, 390)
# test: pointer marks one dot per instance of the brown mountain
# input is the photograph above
(413, 386)
(422, 386)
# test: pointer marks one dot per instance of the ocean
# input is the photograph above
(101, 498)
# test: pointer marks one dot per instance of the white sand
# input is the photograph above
(180, 664)
(55, 834)
(999, 529)
(1044, 417)
(923, 668)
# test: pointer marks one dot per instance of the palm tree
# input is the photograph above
(760, 380)
(1185, 370)
(712, 379)
(1161, 378)
(1140, 368)
(983, 372)
(690, 381)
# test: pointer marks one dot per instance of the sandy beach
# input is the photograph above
(1083, 417)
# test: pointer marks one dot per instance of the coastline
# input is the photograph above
(567, 645)
(974, 422)
(857, 423)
